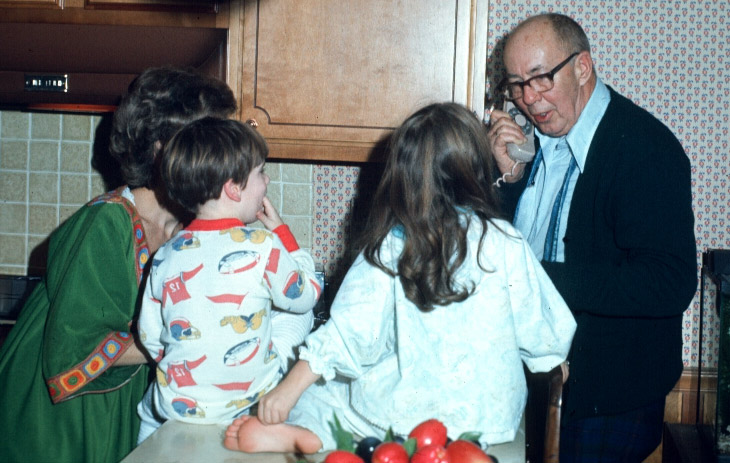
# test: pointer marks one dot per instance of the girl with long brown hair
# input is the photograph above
(435, 317)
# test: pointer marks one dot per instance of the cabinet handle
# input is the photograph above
(253, 123)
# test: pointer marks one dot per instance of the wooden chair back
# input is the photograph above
(542, 415)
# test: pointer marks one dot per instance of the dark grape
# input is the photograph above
(366, 447)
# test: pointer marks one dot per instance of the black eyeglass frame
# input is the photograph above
(502, 87)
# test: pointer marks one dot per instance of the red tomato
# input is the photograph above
(430, 454)
(464, 451)
(342, 456)
(430, 432)
(390, 452)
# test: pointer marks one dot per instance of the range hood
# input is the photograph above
(86, 68)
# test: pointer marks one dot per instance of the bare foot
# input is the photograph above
(248, 434)
(231, 440)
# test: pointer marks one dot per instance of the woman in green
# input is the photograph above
(71, 374)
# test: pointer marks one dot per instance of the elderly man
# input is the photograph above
(606, 204)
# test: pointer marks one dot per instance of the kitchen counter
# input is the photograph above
(177, 442)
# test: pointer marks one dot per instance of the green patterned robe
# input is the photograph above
(60, 397)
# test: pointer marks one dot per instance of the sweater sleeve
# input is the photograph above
(150, 323)
(288, 331)
(92, 287)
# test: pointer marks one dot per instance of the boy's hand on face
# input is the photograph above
(269, 216)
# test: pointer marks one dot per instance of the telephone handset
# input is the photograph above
(526, 151)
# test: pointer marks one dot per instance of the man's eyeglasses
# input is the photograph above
(539, 83)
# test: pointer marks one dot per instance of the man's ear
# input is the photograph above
(232, 190)
(584, 67)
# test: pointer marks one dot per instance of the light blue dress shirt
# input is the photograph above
(536, 203)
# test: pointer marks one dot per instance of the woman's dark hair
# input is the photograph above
(158, 103)
(438, 177)
(202, 156)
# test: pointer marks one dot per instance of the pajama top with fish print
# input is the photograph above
(206, 316)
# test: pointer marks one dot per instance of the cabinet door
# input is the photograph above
(330, 79)
(207, 6)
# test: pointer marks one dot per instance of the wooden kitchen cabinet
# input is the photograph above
(97, 47)
(329, 80)
(179, 13)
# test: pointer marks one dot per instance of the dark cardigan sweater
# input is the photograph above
(630, 267)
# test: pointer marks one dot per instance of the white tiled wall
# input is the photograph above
(46, 174)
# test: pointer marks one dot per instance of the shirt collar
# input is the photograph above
(215, 224)
(581, 134)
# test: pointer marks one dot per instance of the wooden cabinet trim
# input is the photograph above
(106, 12)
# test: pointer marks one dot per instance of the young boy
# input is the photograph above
(206, 315)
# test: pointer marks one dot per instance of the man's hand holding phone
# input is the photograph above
(511, 144)
(523, 152)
